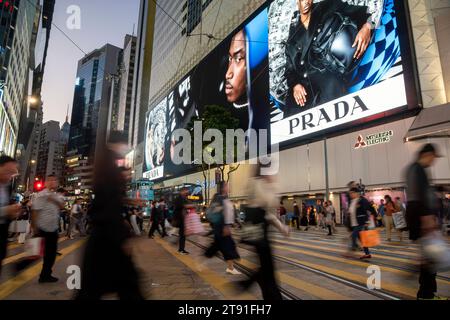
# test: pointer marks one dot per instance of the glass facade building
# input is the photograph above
(91, 99)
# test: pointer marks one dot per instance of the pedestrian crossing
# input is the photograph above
(309, 264)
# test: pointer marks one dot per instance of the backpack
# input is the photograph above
(214, 214)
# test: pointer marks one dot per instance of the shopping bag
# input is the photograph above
(369, 238)
(12, 227)
(436, 252)
(399, 220)
(22, 226)
(372, 224)
(34, 248)
(192, 224)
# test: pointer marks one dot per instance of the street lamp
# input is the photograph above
(33, 100)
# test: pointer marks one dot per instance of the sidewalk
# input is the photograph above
(165, 277)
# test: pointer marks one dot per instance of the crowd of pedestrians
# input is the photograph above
(111, 220)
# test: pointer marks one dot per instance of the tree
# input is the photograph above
(220, 118)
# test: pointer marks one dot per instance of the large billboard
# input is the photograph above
(301, 69)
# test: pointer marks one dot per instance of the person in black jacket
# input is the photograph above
(316, 74)
(108, 265)
(359, 210)
(422, 213)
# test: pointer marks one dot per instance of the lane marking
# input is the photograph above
(10, 286)
(219, 282)
(351, 262)
(21, 255)
(308, 287)
(355, 277)
(342, 245)
(407, 261)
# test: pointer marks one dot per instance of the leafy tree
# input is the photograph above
(220, 118)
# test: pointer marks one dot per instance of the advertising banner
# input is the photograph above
(299, 69)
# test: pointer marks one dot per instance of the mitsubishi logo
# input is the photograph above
(361, 143)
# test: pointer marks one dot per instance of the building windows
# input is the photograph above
(194, 15)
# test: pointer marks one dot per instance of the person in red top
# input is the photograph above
(389, 209)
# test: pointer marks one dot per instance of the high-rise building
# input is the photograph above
(32, 112)
(51, 154)
(91, 116)
(65, 131)
(20, 22)
(89, 122)
(127, 71)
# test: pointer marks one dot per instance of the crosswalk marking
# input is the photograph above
(357, 278)
(345, 245)
(348, 261)
(10, 286)
(407, 261)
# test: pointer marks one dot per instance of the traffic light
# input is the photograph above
(38, 186)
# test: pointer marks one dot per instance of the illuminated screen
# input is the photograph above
(296, 75)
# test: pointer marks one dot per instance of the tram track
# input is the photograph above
(377, 293)
(287, 295)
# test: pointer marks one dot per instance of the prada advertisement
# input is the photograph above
(298, 68)
(334, 62)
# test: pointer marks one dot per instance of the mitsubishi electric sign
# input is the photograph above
(374, 139)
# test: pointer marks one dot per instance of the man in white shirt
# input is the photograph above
(8, 169)
(45, 223)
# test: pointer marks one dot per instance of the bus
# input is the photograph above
(169, 194)
(141, 190)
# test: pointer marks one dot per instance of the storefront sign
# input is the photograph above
(155, 173)
(374, 139)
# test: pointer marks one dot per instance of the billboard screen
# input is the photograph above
(300, 69)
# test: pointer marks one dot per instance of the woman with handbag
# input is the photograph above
(260, 213)
(223, 240)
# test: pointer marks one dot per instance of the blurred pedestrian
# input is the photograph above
(157, 218)
(260, 213)
(390, 208)
(421, 213)
(76, 219)
(223, 240)
(333, 216)
(181, 205)
(328, 209)
(381, 213)
(304, 218)
(8, 212)
(282, 213)
(312, 217)
(359, 219)
(320, 215)
(107, 265)
(45, 224)
(296, 217)
(134, 222)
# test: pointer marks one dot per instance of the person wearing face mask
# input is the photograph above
(8, 169)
